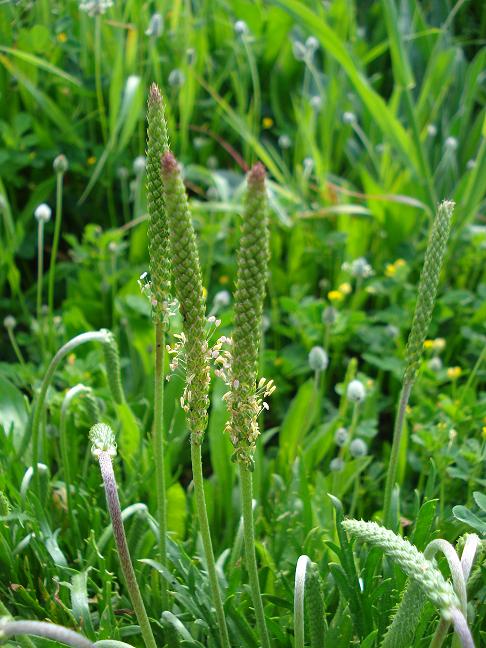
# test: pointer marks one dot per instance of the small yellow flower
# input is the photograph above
(62, 37)
(390, 270)
(223, 280)
(439, 344)
(400, 262)
(91, 160)
(454, 372)
(205, 293)
(428, 344)
(369, 383)
(345, 288)
(335, 295)
(408, 410)
(278, 361)
(483, 432)
(267, 122)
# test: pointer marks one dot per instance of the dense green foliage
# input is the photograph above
(365, 115)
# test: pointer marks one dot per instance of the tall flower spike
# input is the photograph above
(427, 290)
(158, 233)
(410, 560)
(253, 256)
(189, 292)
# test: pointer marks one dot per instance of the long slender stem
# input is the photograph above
(159, 452)
(251, 564)
(47, 630)
(15, 346)
(55, 246)
(197, 476)
(113, 502)
(395, 451)
(40, 274)
(99, 88)
(97, 336)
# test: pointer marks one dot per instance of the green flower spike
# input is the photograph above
(245, 399)
(189, 292)
(158, 232)
(427, 290)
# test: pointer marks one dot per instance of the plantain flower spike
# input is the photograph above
(427, 290)
(245, 399)
(189, 292)
(158, 232)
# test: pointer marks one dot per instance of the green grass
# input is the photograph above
(384, 116)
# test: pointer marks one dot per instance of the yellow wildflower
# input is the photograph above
(484, 431)
(62, 37)
(454, 372)
(439, 344)
(428, 344)
(400, 262)
(267, 122)
(278, 361)
(390, 270)
(335, 295)
(91, 160)
(223, 280)
(345, 288)
(204, 292)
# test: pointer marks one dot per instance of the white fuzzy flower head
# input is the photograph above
(431, 130)
(311, 44)
(10, 322)
(451, 144)
(336, 465)
(176, 78)
(241, 28)
(95, 7)
(471, 164)
(221, 299)
(392, 331)
(356, 391)
(102, 440)
(139, 165)
(340, 436)
(329, 315)
(60, 164)
(349, 117)
(284, 142)
(155, 27)
(318, 359)
(43, 213)
(358, 448)
(358, 268)
(316, 102)
(435, 364)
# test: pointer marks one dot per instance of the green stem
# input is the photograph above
(197, 476)
(159, 452)
(395, 451)
(15, 346)
(99, 88)
(55, 246)
(251, 564)
(72, 393)
(97, 336)
(440, 634)
(113, 501)
(40, 274)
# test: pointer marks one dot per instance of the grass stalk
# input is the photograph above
(98, 83)
(246, 483)
(58, 163)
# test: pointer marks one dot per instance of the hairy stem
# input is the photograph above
(197, 476)
(159, 452)
(251, 564)
(47, 630)
(113, 502)
(40, 275)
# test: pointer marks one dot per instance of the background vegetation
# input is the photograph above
(365, 115)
